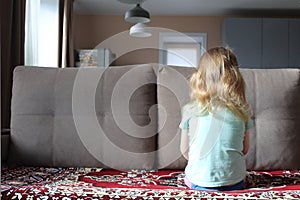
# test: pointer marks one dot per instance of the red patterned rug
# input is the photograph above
(96, 183)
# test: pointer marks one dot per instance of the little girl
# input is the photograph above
(215, 124)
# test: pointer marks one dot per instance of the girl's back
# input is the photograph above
(214, 125)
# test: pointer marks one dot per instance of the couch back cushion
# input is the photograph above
(106, 117)
(274, 97)
(91, 117)
(172, 94)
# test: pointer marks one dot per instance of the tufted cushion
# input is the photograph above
(274, 95)
(172, 94)
(84, 117)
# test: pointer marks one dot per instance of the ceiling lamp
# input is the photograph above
(137, 15)
(132, 1)
(140, 30)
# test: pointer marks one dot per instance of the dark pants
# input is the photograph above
(239, 186)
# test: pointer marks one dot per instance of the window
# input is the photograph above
(181, 49)
(41, 33)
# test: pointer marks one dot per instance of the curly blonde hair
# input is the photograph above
(217, 82)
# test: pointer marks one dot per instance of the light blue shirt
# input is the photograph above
(215, 147)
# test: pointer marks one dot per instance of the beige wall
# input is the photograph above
(92, 30)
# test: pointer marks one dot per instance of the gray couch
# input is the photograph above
(127, 117)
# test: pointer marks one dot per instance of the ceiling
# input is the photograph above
(193, 7)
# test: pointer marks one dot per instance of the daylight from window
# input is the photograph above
(181, 49)
(41, 33)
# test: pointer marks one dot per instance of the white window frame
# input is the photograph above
(180, 39)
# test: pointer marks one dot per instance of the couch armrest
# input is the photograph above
(5, 137)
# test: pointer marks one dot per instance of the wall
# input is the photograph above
(92, 30)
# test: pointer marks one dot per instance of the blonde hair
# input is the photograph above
(217, 82)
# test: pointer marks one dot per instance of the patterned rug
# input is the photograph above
(96, 183)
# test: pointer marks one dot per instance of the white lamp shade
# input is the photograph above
(140, 30)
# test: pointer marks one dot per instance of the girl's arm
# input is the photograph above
(184, 144)
(246, 143)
